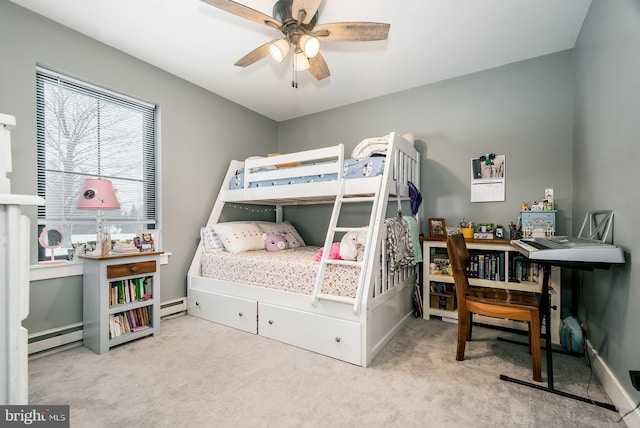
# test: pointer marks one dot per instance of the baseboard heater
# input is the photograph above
(173, 308)
(59, 339)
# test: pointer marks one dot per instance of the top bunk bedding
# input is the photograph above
(315, 176)
(353, 168)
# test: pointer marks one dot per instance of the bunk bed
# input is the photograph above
(345, 309)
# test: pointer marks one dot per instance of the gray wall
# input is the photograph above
(607, 152)
(523, 110)
(196, 129)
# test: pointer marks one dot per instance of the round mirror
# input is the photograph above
(51, 238)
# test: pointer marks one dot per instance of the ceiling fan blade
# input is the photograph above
(309, 6)
(318, 67)
(255, 55)
(244, 12)
(353, 31)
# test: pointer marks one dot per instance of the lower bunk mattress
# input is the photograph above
(293, 270)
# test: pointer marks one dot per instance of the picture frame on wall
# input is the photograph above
(437, 227)
(145, 240)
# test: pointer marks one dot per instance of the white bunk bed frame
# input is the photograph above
(349, 329)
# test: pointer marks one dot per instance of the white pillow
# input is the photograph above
(284, 228)
(241, 236)
(376, 146)
(211, 242)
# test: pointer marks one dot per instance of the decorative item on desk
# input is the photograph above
(145, 240)
(483, 231)
(51, 238)
(467, 228)
(548, 199)
(437, 227)
(99, 194)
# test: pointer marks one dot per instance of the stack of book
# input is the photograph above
(129, 321)
(123, 247)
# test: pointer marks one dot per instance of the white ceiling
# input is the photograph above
(429, 41)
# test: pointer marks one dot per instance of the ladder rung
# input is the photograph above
(358, 199)
(350, 229)
(343, 262)
(333, 298)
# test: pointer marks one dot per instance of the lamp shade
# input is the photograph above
(98, 193)
(309, 45)
(279, 49)
(301, 62)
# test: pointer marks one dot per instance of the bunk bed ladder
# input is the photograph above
(331, 233)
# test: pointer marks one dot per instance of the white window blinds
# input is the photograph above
(85, 131)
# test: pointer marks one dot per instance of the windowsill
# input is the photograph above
(60, 270)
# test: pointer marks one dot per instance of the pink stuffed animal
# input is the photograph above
(275, 242)
(334, 252)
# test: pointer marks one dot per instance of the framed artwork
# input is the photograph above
(437, 227)
(145, 240)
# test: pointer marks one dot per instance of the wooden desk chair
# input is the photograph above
(492, 302)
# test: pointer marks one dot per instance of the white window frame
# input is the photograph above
(61, 211)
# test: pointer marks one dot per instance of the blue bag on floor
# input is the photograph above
(571, 337)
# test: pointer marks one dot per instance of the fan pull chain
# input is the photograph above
(294, 74)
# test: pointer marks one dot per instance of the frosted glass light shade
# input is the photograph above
(98, 193)
(309, 45)
(279, 49)
(301, 62)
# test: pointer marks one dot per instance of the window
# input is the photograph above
(86, 131)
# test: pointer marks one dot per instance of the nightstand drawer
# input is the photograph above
(127, 269)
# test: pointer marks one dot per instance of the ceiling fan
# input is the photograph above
(296, 19)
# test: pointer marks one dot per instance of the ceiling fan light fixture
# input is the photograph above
(300, 62)
(309, 45)
(279, 49)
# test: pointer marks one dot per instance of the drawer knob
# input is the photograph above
(337, 339)
(197, 303)
(240, 314)
(270, 322)
(134, 268)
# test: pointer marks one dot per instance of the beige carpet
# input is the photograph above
(200, 374)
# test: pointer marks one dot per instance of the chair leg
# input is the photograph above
(534, 333)
(463, 333)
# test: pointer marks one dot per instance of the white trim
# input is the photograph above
(51, 341)
(173, 308)
(55, 340)
(614, 388)
(65, 269)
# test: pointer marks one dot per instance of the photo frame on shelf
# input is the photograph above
(437, 227)
(145, 240)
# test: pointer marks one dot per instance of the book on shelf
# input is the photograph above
(488, 265)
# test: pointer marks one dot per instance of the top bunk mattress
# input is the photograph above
(353, 168)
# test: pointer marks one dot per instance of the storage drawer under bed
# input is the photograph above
(326, 335)
(231, 311)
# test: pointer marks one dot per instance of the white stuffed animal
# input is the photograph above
(352, 245)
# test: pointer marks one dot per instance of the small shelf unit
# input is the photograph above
(119, 290)
(436, 248)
